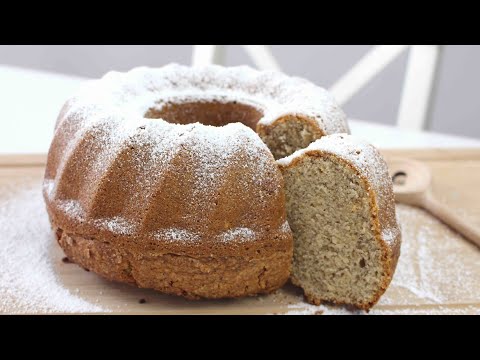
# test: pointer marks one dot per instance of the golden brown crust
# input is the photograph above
(192, 276)
(382, 202)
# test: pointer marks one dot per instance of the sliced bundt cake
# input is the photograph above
(340, 207)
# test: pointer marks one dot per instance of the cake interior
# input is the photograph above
(289, 134)
(336, 255)
(214, 113)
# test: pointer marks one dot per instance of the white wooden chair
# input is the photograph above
(418, 88)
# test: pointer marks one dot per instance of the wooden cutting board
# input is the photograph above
(438, 271)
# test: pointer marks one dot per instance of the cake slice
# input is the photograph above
(341, 209)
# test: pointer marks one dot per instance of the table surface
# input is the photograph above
(31, 100)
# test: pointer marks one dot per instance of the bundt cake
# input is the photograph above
(340, 207)
(155, 177)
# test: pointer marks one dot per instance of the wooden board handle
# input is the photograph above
(443, 213)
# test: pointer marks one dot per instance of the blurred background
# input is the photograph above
(455, 107)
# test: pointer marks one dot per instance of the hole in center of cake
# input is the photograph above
(214, 113)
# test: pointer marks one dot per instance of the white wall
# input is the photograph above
(456, 106)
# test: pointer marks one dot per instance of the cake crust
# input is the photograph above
(195, 274)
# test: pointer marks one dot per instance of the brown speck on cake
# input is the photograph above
(142, 301)
(66, 260)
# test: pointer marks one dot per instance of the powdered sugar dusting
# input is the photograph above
(390, 235)
(72, 209)
(285, 227)
(436, 265)
(28, 283)
(238, 234)
(172, 234)
(308, 309)
(116, 225)
(48, 186)
(276, 94)
(215, 150)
